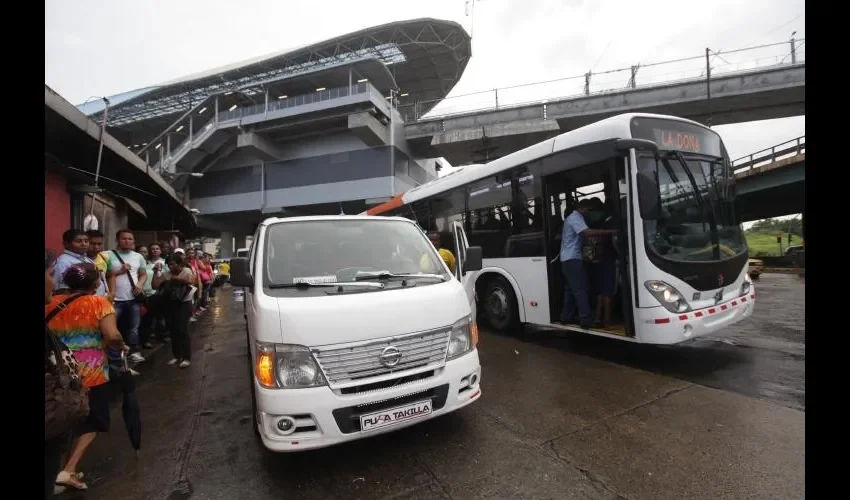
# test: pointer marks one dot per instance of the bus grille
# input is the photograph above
(352, 365)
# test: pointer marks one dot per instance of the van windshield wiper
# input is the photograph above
(386, 275)
(305, 285)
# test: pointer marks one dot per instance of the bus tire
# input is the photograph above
(499, 305)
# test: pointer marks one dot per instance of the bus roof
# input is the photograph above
(615, 127)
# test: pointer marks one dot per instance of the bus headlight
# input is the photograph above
(460, 340)
(668, 296)
(285, 366)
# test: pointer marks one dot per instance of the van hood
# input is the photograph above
(334, 319)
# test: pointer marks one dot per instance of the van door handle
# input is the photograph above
(538, 259)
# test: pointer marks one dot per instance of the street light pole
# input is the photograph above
(392, 142)
(99, 154)
(100, 146)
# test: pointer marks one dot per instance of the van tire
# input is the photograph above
(499, 305)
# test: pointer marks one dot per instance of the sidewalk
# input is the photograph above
(110, 465)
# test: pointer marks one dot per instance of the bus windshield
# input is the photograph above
(686, 202)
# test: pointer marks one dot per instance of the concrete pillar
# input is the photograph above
(240, 242)
(226, 245)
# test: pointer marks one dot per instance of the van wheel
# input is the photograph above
(500, 306)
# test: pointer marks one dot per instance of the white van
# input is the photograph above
(356, 327)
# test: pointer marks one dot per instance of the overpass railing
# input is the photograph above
(711, 64)
(769, 155)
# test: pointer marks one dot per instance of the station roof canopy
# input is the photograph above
(425, 58)
(72, 143)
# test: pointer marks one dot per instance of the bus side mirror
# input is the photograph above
(239, 274)
(474, 259)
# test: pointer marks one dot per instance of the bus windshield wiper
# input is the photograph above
(701, 200)
(386, 275)
(304, 285)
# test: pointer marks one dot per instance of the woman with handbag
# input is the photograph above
(175, 301)
(65, 400)
(85, 323)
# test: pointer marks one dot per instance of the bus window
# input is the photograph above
(448, 208)
(490, 199)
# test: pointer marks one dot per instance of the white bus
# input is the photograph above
(667, 185)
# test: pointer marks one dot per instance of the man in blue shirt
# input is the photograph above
(572, 265)
(76, 245)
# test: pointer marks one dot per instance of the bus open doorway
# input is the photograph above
(604, 256)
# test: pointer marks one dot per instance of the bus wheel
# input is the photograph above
(499, 304)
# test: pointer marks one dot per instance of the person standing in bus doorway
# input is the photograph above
(605, 274)
(446, 254)
(572, 265)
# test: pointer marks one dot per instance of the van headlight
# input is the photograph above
(460, 339)
(286, 366)
(668, 296)
(747, 285)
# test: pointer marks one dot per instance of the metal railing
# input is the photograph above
(258, 109)
(294, 101)
(769, 155)
(703, 67)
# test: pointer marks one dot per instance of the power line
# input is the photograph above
(601, 55)
(783, 25)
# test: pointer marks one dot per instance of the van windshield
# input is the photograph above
(346, 250)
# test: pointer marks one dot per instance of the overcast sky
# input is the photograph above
(97, 48)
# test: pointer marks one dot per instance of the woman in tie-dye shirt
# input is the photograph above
(87, 326)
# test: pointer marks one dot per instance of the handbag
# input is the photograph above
(173, 291)
(140, 298)
(66, 401)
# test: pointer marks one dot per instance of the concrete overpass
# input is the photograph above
(773, 92)
(772, 182)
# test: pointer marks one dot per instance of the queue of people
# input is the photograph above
(100, 306)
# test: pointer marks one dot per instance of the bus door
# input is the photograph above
(468, 278)
(555, 192)
(620, 192)
(563, 191)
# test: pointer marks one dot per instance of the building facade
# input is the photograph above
(314, 130)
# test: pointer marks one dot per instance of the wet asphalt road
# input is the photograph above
(560, 417)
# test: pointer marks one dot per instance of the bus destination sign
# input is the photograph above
(672, 135)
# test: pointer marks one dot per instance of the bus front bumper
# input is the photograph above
(656, 325)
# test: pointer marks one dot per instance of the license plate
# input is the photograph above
(397, 415)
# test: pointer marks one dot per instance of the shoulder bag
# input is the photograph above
(66, 401)
(140, 298)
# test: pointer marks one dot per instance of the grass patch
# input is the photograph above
(764, 244)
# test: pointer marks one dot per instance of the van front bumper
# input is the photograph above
(323, 417)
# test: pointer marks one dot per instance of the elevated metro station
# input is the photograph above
(310, 130)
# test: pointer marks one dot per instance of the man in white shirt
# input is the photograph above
(128, 269)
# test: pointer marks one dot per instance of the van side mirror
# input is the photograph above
(473, 260)
(239, 274)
